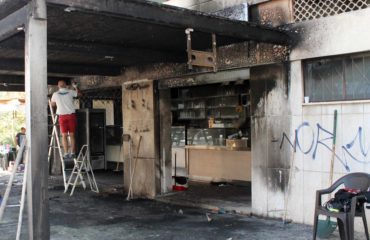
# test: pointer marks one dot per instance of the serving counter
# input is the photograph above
(205, 154)
(217, 163)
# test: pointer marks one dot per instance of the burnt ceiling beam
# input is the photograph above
(18, 80)
(106, 49)
(14, 23)
(17, 67)
(88, 49)
(10, 6)
(11, 83)
(11, 88)
(155, 13)
(11, 80)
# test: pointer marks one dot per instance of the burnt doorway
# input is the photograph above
(210, 146)
(100, 121)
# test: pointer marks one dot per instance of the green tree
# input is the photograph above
(10, 124)
(12, 121)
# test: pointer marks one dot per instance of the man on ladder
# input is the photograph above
(63, 100)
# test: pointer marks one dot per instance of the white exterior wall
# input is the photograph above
(312, 158)
(341, 34)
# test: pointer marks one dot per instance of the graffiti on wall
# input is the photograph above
(309, 139)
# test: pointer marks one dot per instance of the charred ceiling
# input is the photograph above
(10, 6)
(87, 37)
(16, 82)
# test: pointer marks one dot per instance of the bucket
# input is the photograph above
(180, 183)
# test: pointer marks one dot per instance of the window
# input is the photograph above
(337, 79)
(312, 9)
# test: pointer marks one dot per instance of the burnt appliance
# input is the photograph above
(91, 131)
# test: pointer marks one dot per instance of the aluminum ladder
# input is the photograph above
(23, 151)
(82, 166)
(55, 143)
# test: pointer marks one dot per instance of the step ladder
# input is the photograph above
(55, 143)
(23, 151)
(82, 166)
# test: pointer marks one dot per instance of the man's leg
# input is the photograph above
(72, 129)
(65, 142)
(73, 142)
(63, 124)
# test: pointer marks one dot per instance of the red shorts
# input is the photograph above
(67, 123)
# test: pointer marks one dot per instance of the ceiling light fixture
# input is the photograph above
(69, 9)
(109, 57)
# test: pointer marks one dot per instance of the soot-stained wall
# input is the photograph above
(312, 123)
(139, 114)
(270, 116)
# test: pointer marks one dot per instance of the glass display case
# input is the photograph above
(209, 136)
(178, 136)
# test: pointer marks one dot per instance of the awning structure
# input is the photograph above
(45, 40)
(93, 37)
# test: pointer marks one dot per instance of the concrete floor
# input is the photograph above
(227, 197)
(107, 215)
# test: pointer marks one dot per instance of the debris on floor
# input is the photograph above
(209, 219)
(87, 215)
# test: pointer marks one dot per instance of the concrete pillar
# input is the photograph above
(270, 117)
(165, 121)
(36, 121)
(139, 121)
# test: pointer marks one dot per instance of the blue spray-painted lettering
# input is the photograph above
(297, 131)
(322, 139)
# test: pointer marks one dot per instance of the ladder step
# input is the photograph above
(14, 205)
(77, 184)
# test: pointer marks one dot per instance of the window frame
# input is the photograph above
(344, 77)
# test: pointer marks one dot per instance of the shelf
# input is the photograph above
(209, 97)
(189, 118)
(204, 108)
(227, 117)
(217, 107)
(203, 118)
(193, 108)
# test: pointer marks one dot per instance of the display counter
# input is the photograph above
(209, 147)
(206, 157)
(210, 136)
(217, 163)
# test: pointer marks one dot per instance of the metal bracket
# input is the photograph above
(201, 58)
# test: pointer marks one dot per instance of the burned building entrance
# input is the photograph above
(45, 40)
(104, 125)
(210, 143)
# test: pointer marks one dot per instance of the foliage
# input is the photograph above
(10, 125)
(11, 122)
